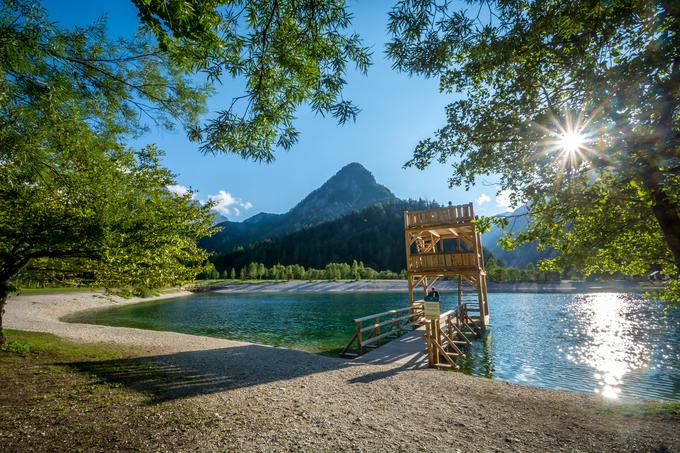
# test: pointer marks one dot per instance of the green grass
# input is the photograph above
(59, 395)
(670, 409)
(25, 343)
(56, 290)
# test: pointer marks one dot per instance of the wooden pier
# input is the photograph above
(374, 330)
(440, 244)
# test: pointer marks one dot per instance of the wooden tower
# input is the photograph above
(443, 243)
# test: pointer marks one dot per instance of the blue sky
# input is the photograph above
(397, 111)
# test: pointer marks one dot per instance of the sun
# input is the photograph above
(571, 141)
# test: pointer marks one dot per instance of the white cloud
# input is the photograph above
(226, 203)
(178, 189)
(483, 198)
(503, 199)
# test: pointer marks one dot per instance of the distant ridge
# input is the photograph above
(518, 221)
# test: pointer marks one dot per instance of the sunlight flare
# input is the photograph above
(571, 141)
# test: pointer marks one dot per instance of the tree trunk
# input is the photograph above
(4, 291)
(666, 212)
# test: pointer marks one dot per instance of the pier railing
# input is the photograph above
(442, 261)
(441, 216)
(373, 330)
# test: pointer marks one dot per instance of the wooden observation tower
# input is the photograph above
(442, 243)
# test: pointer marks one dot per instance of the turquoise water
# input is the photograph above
(616, 345)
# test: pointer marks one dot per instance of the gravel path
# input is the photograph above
(272, 399)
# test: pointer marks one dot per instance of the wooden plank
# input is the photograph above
(376, 338)
(354, 337)
(387, 322)
(385, 313)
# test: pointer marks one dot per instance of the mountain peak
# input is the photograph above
(354, 171)
(352, 188)
(355, 167)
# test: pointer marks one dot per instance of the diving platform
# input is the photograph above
(444, 243)
(440, 243)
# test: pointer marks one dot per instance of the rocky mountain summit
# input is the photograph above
(353, 188)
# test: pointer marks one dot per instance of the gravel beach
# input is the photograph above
(273, 399)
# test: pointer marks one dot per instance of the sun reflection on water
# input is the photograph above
(608, 340)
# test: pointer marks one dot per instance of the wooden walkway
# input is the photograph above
(408, 349)
(408, 337)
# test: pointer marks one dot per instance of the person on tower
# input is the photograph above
(432, 295)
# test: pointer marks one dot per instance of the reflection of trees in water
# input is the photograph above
(478, 359)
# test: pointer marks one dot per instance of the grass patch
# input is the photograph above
(56, 290)
(644, 410)
(51, 401)
(16, 347)
(669, 409)
(50, 346)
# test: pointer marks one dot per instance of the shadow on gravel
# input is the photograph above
(415, 363)
(186, 374)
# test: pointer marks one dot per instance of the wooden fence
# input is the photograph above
(373, 330)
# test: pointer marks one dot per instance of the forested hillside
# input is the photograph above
(374, 235)
(522, 255)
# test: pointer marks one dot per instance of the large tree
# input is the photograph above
(575, 104)
(73, 198)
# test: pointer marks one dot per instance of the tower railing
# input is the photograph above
(441, 216)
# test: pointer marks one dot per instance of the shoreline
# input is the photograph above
(399, 286)
(44, 313)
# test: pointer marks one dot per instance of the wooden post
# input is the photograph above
(449, 326)
(409, 279)
(480, 290)
(460, 290)
(359, 340)
(439, 332)
(376, 331)
(428, 343)
(409, 271)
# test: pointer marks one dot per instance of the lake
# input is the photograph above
(620, 346)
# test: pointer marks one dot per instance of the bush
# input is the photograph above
(144, 292)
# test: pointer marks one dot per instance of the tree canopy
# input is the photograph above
(74, 199)
(288, 53)
(575, 104)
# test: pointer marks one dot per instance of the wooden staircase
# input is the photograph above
(448, 337)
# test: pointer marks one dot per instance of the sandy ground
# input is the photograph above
(274, 399)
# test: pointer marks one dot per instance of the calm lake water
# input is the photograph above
(616, 345)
